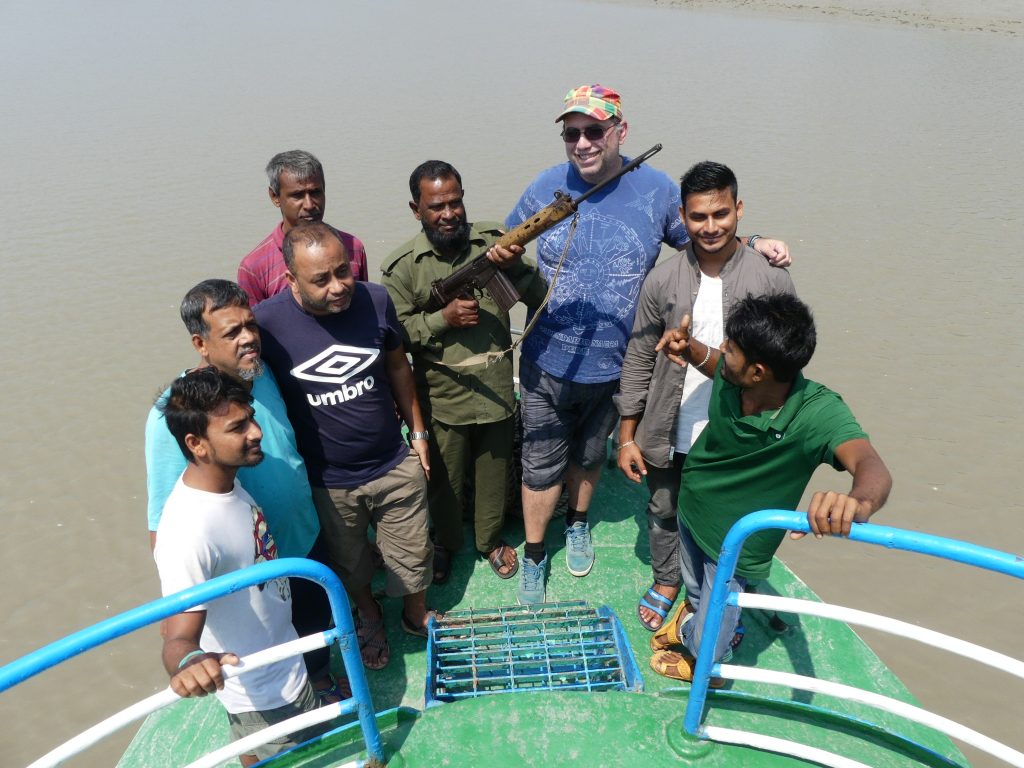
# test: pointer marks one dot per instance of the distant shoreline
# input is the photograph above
(998, 16)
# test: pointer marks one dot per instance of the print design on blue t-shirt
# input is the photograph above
(600, 291)
(644, 202)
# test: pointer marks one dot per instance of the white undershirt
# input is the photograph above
(706, 326)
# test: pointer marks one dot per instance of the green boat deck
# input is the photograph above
(596, 729)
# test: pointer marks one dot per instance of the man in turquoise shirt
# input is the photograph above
(216, 313)
(769, 428)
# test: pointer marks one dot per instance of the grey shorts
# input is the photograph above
(563, 421)
(247, 723)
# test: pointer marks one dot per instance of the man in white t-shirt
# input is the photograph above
(663, 406)
(209, 527)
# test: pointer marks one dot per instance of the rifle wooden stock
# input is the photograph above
(543, 220)
(482, 274)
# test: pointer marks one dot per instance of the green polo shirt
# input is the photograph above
(741, 464)
(481, 394)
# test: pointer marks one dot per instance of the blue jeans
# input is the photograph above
(698, 572)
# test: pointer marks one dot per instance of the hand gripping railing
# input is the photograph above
(892, 538)
(344, 634)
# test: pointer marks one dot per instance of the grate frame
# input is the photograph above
(563, 646)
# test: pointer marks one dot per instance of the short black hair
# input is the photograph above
(431, 169)
(217, 294)
(309, 235)
(193, 397)
(776, 330)
(707, 177)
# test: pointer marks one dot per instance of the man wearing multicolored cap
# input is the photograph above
(571, 361)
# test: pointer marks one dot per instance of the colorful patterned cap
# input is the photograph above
(595, 100)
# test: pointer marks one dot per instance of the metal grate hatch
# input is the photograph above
(566, 646)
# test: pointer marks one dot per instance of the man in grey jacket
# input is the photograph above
(663, 406)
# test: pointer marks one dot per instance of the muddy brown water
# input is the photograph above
(133, 137)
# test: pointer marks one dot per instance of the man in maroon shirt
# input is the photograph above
(297, 188)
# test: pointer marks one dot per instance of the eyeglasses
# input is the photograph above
(592, 132)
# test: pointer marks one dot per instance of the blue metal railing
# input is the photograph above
(344, 632)
(869, 533)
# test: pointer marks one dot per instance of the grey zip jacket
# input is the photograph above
(652, 385)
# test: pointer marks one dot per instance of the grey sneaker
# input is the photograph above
(579, 549)
(531, 583)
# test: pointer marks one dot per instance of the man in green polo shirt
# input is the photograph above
(469, 405)
(769, 428)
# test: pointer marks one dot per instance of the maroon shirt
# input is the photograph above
(262, 273)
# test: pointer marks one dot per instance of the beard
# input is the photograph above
(449, 242)
(252, 373)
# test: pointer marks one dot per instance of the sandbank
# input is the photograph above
(992, 16)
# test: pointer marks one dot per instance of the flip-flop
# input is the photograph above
(679, 666)
(496, 558)
(657, 602)
(374, 638)
(669, 634)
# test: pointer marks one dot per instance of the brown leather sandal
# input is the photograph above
(679, 666)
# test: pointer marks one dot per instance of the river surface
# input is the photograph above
(133, 137)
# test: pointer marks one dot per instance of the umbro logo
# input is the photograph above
(336, 364)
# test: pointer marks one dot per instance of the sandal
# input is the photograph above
(669, 634)
(442, 564)
(496, 557)
(411, 629)
(658, 603)
(679, 666)
(737, 637)
(338, 690)
(374, 640)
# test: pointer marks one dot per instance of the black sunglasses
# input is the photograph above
(592, 132)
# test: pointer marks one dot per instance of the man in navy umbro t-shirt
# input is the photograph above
(335, 347)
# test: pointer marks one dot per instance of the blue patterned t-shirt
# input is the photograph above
(583, 332)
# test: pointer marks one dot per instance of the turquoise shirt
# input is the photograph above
(741, 464)
(278, 483)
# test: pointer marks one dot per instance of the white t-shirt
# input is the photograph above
(203, 535)
(707, 326)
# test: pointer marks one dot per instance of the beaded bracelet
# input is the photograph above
(628, 442)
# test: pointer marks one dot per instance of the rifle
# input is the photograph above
(482, 273)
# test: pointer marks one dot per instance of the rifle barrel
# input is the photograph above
(630, 166)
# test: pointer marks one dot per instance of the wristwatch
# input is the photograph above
(418, 435)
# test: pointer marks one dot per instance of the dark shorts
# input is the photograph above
(563, 421)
